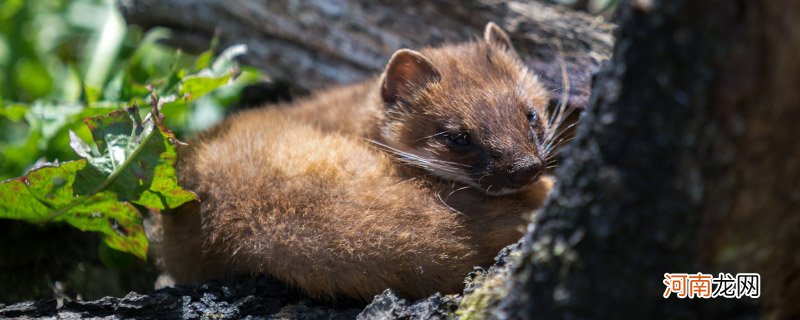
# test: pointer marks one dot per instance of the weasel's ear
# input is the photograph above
(495, 35)
(407, 71)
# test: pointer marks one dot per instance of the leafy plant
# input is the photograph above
(84, 80)
(131, 162)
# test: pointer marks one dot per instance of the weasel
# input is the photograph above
(404, 181)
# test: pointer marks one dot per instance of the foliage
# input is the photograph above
(74, 72)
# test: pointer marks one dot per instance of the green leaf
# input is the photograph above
(50, 117)
(103, 54)
(37, 81)
(9, 8)
(225, 62)
(132, 162)
(14, 112)
(222, 70)
(46, 195)
(68, 61)
(137, 155)
(199, 85)
(203, 60)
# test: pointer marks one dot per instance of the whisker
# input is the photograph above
(560, 144)
(447, 205)
(451, 163)
(562, 112)
(481, 177)
(416, 160)
(431, 136)
(564, 130)
(552, 129)
(454, 191)
(565, 82)
(557, 141)
(563, 141)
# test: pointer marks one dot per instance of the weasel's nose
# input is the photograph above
(525, 174)
(522, 176)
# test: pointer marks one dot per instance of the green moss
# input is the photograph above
(491, 287)
(476, 305)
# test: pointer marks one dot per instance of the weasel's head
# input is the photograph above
(470, 113)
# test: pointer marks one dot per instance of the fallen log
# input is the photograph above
(313, 44)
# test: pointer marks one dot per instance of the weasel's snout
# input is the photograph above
(524, 175)
(513, 177)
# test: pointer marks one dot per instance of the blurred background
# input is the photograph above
(63, 60)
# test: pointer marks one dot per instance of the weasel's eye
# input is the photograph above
(532, 116)
(459, 140)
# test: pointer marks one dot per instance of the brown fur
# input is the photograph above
(323, 195)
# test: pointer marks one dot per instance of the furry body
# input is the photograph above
(406, 181)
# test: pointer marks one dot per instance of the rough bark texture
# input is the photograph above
(257, 298)
(313, 44)
(687, 161)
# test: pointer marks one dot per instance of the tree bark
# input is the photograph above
(686, 162)
(313, 44)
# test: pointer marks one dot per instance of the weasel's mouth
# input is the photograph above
(497, 190)
(501, 185)
(495, 185)
(502, 191)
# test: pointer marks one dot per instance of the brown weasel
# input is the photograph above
(405, 181)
